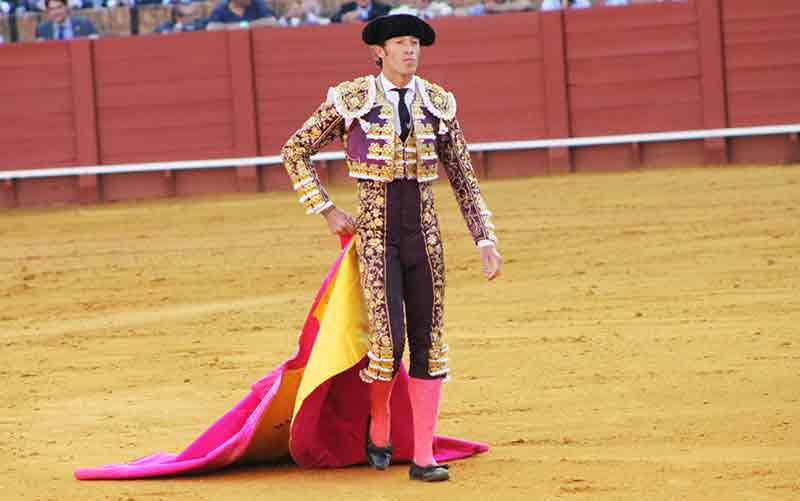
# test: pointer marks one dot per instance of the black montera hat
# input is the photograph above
(383, 28)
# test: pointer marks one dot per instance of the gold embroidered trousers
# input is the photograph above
(399, 249)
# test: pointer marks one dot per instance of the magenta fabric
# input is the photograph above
(328, 431)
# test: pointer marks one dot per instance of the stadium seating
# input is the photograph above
(5, 28)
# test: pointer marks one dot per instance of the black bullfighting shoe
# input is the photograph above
(378, 457)
(432, 473)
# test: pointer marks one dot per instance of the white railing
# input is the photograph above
(339, 155)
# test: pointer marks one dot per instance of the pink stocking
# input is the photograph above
(424, 395)
(380, 394)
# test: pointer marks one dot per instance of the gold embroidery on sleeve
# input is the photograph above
(319, 130)
(453, 153)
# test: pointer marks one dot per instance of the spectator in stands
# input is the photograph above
(232, 14)
(30, 5)
(360, 11)
(61, 26)
(426, 9)
(578, 4)
(39, 5)
(183, 17)
(6, 8)
(495, 7)
(93, 4)
(304, 12)
(559, 4)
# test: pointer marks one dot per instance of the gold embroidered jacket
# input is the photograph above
(358, 112)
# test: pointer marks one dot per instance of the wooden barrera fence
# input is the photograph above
(678, 66)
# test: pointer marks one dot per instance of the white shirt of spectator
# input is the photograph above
(556, 5)
(394, 97)
(68, 33)
(433, 10)
(579, 4)
(363, 12)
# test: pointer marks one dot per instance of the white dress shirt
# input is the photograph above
(394, 97)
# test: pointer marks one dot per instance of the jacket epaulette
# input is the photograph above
(353, 98)
(438, 101)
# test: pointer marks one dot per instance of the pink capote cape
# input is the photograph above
(313, 407)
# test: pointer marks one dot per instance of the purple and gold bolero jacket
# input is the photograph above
(358, 112)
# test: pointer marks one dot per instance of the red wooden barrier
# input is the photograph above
(43, 90)
(172, 98)
(636, 70)
(643, 68)
(762, 73)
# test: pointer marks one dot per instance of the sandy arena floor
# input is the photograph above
(642, 344)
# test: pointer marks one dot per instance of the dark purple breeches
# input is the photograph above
(408, 276)
(403, 288)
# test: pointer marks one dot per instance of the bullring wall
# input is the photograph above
(600, 71)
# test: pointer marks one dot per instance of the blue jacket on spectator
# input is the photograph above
(26, 5)
(73, 27)
(375, 10)
(170, 26)
(93, 4)
(256, 10)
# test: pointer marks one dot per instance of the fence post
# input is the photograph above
(83, 98)
(245, 135)
(712, 76)
(554, 56)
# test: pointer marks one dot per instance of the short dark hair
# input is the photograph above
(47, 3)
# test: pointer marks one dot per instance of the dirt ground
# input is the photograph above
(642, 343)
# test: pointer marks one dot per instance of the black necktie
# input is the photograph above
(405, 116)
(61, 31)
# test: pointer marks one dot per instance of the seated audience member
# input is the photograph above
(304, 12)
(426, 9)
(495, 7)
(61, 26)
(360, 11)
(579, 4)
(558, 4)
(99, 4)
(183, 17)
(31, 5)
(91, 4)
(233, 14)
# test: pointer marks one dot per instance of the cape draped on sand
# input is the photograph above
(313, 407)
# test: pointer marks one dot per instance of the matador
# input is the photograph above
(396, 128)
